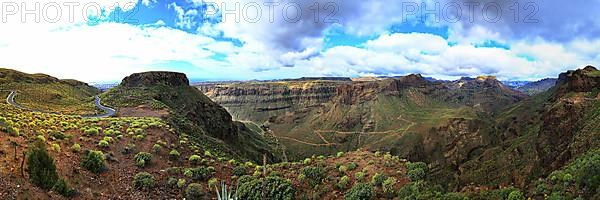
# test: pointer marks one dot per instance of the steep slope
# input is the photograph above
(45, 93)
(537, 87)
(536, 136)
(257, 101)
(168, 95)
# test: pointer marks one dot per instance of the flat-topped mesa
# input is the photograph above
(412, 80)
(147, 79)
(581, 80)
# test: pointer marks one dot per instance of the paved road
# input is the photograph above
(108, 112)
(11, 100)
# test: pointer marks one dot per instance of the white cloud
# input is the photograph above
(400, 54)
(149, 2)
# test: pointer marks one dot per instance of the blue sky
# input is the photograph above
(203, 39)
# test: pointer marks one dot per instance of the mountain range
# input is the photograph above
(408, 137)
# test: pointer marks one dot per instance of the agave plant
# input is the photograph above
(226, 194)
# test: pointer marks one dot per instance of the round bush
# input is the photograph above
(360, 191)
(343, 183)
(94, 161)
(240, 170)
(314, 174)
(142, 159)
(144, 181)
(378, 179)
(195, 159)
(174, 155)
(416, 174)
(516, 195)
(266, 188)
(195, 191)
(76, 148)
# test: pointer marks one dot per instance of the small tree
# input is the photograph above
(40, 166)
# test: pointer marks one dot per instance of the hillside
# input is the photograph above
(323, 117)
(48, 94)
(168, 95)
(475, 132)
(534, 137)
(537, 87)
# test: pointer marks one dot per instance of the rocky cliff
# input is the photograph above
(258, 101)
(147, 79)
(189, 111)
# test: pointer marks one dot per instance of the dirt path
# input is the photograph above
(319, 132)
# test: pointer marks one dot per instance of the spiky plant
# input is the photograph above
(226, 193)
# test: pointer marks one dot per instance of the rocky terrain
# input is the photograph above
(472, 131)
(312, 138)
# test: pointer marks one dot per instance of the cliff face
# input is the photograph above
(259, 101)
(147, 79)
(568, 127)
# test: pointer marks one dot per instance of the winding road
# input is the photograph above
(108, 112)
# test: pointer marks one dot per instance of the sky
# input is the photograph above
(104, 41)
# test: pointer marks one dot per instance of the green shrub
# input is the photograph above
(516, 195)
(63, 188)
(143, 180)
(208, 154)
(57, 135)
(417, 165)
(103, 144)
(91, 132)
(142, 159)
(343, 168)
(195, 159)
(378, 179)
(200, 173)
(181, 183)
(416, 174)
(360, 191)
(266, 188)
(343, 182)
(40, 138)
(359, 176)
(315, 175)
(76, 148)
(40, 166)
(339, 154)
(307, 161)
(195, 191)
(172, 182)
(55, 147)
(94, 161)
(156, 148)
(240, 170)
(388, 186)
(352, 166)
(174, 155)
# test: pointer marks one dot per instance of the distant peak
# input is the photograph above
(589, 68)
(146, 79)
(484, 78)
